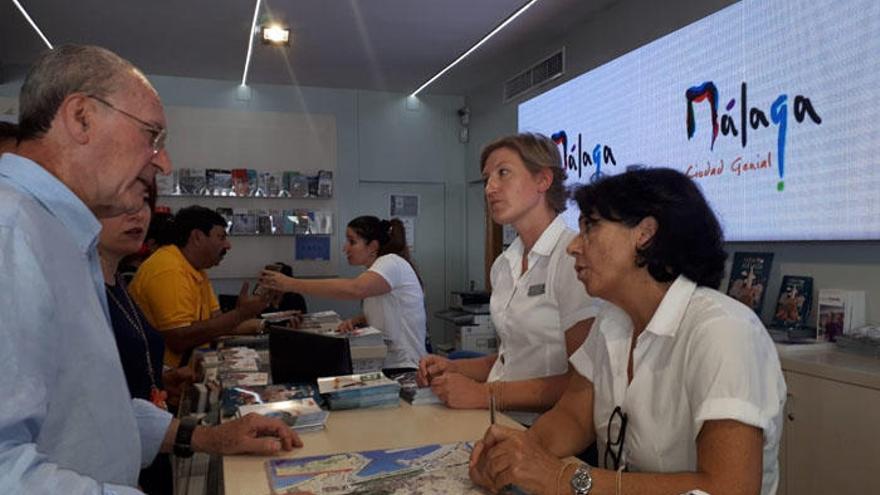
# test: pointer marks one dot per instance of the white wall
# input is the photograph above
(622, 27)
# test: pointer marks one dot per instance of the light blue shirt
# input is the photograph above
(67, 421)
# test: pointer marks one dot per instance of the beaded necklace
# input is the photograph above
(157, 396)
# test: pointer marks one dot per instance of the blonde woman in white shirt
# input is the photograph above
(392, 294)
(679, 384)
(537, 306)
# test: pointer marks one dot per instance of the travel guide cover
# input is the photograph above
(748, 278)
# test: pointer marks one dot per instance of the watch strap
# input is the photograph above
(183, 439)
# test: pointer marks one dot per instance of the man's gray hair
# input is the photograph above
(58, 73)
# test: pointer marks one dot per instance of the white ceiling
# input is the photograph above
(387, 45)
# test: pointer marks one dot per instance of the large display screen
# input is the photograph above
(771, 106)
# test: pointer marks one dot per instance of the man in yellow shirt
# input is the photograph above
(174, 292)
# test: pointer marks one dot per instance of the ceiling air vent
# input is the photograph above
(544, 71)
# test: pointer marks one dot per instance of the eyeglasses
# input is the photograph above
(159, 133)
(614, 449)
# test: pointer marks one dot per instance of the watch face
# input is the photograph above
(582, 481)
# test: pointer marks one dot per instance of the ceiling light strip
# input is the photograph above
(33, 24)
(479, 43)
(247, 60)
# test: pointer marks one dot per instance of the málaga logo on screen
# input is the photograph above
(576, 157)
(749, 119)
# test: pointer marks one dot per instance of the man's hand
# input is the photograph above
(249, 306)
(432, 366)
(252, 326)
(460, 392)
(252, 434)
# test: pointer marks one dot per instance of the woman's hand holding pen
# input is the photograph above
(509, 457)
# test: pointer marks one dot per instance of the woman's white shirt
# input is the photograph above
(532, 311)
(703, 356)
(400, 314)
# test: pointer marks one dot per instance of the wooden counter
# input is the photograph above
(366, 429)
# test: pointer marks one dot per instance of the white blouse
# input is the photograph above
(400, 314)
(531, 311)
(703, 356)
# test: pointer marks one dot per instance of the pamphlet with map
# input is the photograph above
(426, 470)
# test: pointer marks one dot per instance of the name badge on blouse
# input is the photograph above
(536, 290)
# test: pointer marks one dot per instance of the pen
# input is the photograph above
(491, 406)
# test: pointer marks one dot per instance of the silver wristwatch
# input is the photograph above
(582, 481)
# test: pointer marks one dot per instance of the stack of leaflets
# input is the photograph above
(368, 349)
(412, 393)
(360, 390)
(300, 414)
(321, 321)
(239, 367)
(233, 397)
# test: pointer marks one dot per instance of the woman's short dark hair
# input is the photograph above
(389, 234)
(537, 152)
(194, 217)
(688, 241)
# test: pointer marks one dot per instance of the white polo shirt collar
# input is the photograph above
(543, 246)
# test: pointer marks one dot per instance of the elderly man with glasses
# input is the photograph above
(91, 140)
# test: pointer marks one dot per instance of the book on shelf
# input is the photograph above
(321, 222)
(244, 221)
(313, 185)
(167, 185)
(218, 182)
(227, 215)
(287, 222)
(325, 183)
(840, 312)
(297, 184)
(233, 397)
(426, 469)
(300, 414)
(276, 221)
(748, 278)
(794, 302)
(192, 181)
(264, 222)
(241, 185)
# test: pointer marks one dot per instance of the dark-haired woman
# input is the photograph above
(141, 347)
(392, 294)
(537, 305)
(679, 384)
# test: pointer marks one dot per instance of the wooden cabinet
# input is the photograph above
(831, 436)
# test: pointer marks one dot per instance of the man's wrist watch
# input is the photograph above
(183, 439)
(582, 480)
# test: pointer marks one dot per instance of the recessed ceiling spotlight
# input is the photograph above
(275, 35)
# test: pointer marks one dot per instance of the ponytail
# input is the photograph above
(389, 234)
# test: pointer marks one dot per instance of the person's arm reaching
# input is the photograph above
(367, 284)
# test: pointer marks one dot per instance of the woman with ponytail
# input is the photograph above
(391, 290)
